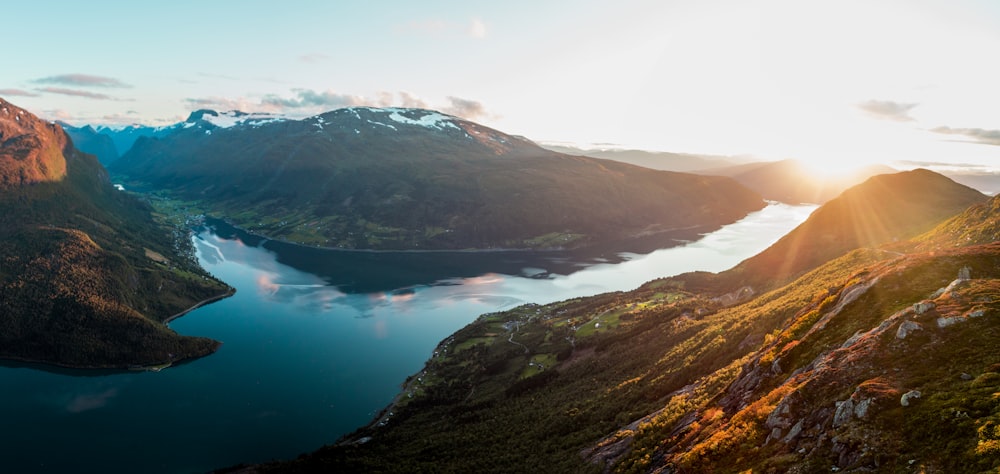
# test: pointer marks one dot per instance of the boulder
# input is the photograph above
(845, 410)
(907, 397)
(923, 307)
(950, 321)
(862, 407)
(907, 327)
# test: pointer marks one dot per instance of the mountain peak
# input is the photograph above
(230, 119)
(31, 149)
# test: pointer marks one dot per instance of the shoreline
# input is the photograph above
(128, 367)
(595, 249)
(213, 299)
(47, 365)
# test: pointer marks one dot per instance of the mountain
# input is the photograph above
(89, 140)
(874, 361)
(793, 181)
(985, 181)
(32, 149)
(418, 179)
(655, 160)
(885, 208)
(87, 278)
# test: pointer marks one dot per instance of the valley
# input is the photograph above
(688, 374)
(561, 343)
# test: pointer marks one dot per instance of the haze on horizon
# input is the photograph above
(910, 83)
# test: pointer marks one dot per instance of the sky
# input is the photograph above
(908, 82)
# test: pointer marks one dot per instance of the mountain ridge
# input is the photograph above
(859, 363)
(87, 278)
(418, 179)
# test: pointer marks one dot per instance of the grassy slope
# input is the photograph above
(884, 209)
(673, 380)
(76, 286)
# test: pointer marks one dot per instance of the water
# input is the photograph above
(315, 343)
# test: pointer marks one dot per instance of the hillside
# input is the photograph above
(30, 149)
(417, 179)
(87, 277)
(793, 181)
(885, 208)
(873, 361)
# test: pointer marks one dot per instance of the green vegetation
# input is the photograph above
(87, 276)
(676, 380)
(354, 184)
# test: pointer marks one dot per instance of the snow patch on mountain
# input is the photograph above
(430, 119)
(234, 118)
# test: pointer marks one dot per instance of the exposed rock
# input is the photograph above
(965, 273)
(977, 313)
(794, 433)
(908, 396)
(906, 327)
(861, 408)
(739, 296)
(845, 410)
(949, 321)
(966, 376)
(779, 417)
(937, 294)
(851, 340)
(923, 307)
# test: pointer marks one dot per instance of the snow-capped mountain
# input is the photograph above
(396, 178)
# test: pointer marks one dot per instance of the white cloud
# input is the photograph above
(888, 110)
(477, 29)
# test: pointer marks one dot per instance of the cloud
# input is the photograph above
(17, 93)
(305, 102)
(465, 108)
(309, 98)
(82, 80)
(939, 164)
(477, 29)
(57, 114)
(975, 135)
(76, 93)
(313, 58)
(411, 101)
(888, 110)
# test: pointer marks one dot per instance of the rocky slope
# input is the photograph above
(30, 149)
(86, 276)
(410, 178)
(879, 360)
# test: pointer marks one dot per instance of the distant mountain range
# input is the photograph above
(793, 181)
(877, 359)
(418, 179)
(87, 278)
(655, 160)
(109, 143)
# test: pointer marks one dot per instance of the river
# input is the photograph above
(316, 342)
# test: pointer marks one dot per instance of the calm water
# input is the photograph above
(315, 343)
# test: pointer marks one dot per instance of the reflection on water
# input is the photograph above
(315, 343)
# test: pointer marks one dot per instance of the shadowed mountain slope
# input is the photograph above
(418, 179)
(86, 276)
